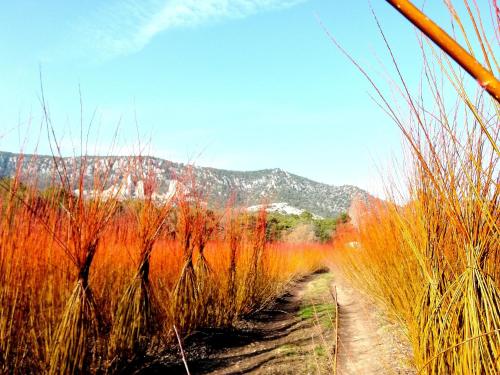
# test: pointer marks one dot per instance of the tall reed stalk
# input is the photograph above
(234, 235)
(186, 291)
(139, 314)
(206, 225)
(73, 349)
(257, 257)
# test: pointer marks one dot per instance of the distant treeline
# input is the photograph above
(280, 225)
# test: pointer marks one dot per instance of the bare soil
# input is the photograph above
(369, 343)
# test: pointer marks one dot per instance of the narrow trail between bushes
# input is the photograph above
(296, 335)
(368, 342)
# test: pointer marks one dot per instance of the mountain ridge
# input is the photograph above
(248, 188)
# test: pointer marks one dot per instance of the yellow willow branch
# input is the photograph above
(484, 77)
(455, 346)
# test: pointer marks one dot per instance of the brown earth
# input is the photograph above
(368, 342)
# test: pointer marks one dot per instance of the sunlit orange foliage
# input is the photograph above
(37, 276)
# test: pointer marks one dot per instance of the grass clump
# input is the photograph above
(324, 312)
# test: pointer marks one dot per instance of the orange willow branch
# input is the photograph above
(484, 77)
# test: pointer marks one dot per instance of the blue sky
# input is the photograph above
(235, 84)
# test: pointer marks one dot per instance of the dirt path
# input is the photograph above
(296, 335)
(293, 336)
(368, 342)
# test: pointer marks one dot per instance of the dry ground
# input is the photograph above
(368, 342)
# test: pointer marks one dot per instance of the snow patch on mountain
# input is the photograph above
(281, 208)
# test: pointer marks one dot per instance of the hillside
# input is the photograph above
(249, 188)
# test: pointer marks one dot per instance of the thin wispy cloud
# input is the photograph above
(126, 27)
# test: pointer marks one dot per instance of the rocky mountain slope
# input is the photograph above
(248, 188)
